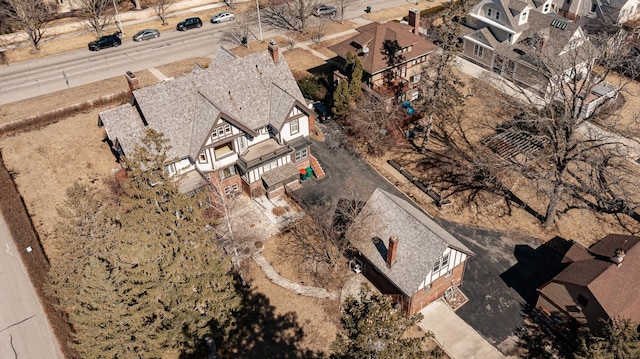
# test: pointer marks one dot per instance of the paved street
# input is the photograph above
(24, 331)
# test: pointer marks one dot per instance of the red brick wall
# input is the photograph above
(425, 296)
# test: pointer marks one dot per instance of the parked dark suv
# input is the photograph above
(104, 42)
(323, 112)
(190, 23)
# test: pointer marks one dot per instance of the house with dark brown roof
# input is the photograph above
(404, 253)
(368, 46)
(600, 282)
(242, 122)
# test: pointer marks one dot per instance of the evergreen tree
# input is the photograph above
(341, 99)
(619, 339)
(156, 286)
(354, 71)
(373, 329)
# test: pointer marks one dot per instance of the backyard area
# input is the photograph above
(69, 149)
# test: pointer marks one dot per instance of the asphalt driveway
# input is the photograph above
(499, 280)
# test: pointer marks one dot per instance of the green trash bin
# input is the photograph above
(309, 172)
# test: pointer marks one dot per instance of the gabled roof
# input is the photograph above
(421, 241)
(250, 92)
(614, 287)
(373, 35)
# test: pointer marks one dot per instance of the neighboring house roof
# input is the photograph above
(615, 287)
(372, 37)
(549, 33)
(250, 92)
(421, 241)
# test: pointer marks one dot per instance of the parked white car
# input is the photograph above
(223, 17)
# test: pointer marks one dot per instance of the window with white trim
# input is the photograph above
(594, 6)
(477, 50)
(230, 190)
(489, 13)
(300, 155)
(221, 132)
(242, 144)
(227, 172)
(171, 169)
(497, 15)
(294, 126)
(270, 166)
(202, 158)
(509, 38)
(545, 9)
(449, 273)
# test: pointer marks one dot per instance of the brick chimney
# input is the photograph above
(274, 51)
(132, 80)
(414, 20)
(392, 250)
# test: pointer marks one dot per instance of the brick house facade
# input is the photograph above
(404, 253)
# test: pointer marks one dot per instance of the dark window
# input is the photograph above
(594, 6)
(582, 300)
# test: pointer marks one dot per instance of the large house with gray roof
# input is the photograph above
(520, 39)
(242, 123)
(404, 253)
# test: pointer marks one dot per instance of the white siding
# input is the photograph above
(455, 259)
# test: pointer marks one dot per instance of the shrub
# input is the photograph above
(310, 87)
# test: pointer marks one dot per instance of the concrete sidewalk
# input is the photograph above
(454, 335)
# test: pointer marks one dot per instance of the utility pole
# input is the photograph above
(118, 18)
(259, 23)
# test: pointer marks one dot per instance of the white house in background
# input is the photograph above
(242, 122)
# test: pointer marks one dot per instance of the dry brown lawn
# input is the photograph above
(72, 150)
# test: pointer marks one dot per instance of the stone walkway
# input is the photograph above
(276, 278)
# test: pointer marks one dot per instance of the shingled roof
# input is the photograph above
(421, 240)
(615, 287)
(373, 35)
(250, 92)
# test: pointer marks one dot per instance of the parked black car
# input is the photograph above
(323, 112)
(104, 42)
(190, 23)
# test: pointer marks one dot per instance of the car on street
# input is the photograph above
(223, 17)
(146, 34)
(323, 112)
(105, 42)
(324, 10)
(189, 23)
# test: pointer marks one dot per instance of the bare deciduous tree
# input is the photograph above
(239, 33)
(292, 15)
(342, 6)
(160, 7)
(97, 13)
(569, 145)
(374, 124)
(30, 16)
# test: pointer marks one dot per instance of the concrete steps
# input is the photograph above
(317, 169)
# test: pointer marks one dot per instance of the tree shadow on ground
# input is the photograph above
(535, 267)
(263, 333)
(541, 337)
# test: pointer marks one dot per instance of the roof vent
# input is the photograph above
(620, 253)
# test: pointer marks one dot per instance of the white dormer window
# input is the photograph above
(294, 127)
(546, 7)
(489, 13)
(497, 15)
(523, 17)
